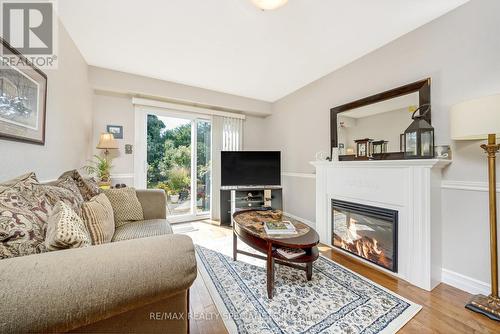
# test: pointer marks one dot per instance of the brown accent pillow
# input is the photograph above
(99, 220)
(126, 205)
(88, 187)
(65, 229)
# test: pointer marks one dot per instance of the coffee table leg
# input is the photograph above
(309, 271)
(270, 271)
(235, 246)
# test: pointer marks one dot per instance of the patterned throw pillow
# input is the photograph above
(88, 187)
(99, 220)
(20, 182)
(23, 222)
(126, 205)
(64, 190)
(66, 229)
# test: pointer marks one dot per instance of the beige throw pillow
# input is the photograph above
(99, 219)
(126, 205)
(66, 229)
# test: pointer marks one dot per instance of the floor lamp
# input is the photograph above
(479, 119)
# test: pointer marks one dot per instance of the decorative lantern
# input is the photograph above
(419, 137)
(363, 148)
(379, 146)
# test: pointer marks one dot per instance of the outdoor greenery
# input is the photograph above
(169, 157)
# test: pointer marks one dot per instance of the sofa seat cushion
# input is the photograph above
(142, 229)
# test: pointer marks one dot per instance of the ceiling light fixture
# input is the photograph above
(269, 4)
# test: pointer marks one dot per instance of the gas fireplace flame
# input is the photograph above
(363, 246)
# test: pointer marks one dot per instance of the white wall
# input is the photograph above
(460, 52)
(69, 122)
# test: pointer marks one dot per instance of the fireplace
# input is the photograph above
(366, 231)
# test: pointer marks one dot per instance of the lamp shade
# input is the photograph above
(476, 119)
(107, 142)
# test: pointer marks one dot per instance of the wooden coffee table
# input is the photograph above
(248, 226)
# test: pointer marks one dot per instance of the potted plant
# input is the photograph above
(100, 168)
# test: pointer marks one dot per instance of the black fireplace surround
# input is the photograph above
(365, 231)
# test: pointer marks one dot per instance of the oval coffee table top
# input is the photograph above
(252, 222)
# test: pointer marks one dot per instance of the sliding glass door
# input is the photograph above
(179, 162)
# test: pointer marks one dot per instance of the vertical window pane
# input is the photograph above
(203, 164)
(169, 161)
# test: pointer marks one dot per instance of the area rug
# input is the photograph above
(336, 300)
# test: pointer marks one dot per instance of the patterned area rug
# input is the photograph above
(335, 301)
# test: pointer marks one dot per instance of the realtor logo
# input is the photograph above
(28, 26)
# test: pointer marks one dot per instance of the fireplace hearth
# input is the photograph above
(366, 231)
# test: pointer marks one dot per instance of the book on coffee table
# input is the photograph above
(290, 253)
(282, 227)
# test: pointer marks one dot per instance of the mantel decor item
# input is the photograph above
(23, 95)
(379, 146)
(479, 119)
(419, 137)
(363, 148)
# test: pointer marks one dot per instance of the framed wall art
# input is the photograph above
(116, 130)
(23, 98)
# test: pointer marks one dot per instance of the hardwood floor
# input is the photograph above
(443, 309)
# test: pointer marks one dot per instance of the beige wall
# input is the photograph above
(115, 109)
(459, 51)
(112, 105)
(69, 121)
(125, 83)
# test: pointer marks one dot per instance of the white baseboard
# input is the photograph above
(465, 283)
(300, 219)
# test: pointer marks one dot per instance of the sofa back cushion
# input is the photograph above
(65, 229)
(126, 205)
(99, 219)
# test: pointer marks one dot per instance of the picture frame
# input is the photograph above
(23, 98)
(116, 130)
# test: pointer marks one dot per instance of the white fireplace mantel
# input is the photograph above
(412, 187)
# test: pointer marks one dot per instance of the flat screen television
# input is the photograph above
(250, 168)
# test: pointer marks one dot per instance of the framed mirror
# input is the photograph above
(375, 124)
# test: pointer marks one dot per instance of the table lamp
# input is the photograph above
(107, 142)
(479, 119)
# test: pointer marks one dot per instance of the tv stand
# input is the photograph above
(233, 199)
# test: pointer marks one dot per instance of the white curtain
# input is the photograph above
(232, 134)
(227, 135)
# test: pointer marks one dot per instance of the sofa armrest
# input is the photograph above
(63, 290)
(154, 203)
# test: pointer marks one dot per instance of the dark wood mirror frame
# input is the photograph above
(423, 87)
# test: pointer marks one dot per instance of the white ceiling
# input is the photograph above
(231, 46)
